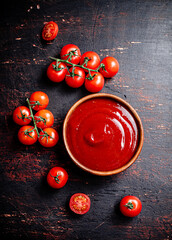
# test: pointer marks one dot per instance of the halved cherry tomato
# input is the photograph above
(21, 115)
(27, 135)
(44, 118)
(56, 71)
(79, 203)
(57, 177)
(48, 137)
(50, 31)
(96, 84)
(130, 206)
(111, 67)
(39, 100)
(75, 77)
(91, 59)
(72, 52)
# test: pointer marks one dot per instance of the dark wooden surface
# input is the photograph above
(139, 35)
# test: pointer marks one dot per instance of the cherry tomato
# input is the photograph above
(75, 53)
(48, 137)
(44, 118)
(27, 135)
(92, 60)
(57, 177)
(50, 31)
(75, 77)
(111, 66)
(96, 84)
(79, 203)
(56, 71)
(130, 206)
(39, 100)
(21, 115)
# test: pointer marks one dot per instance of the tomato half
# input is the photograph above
(27, 135)
(79, 203)
(57, 177)
(91, 59)
(44, 118)
(39, 100)
(21, 115)
(50, 31)
(96, 84)
(75, 77)
(111, 67)
(48, 137)
(130, 206)
(56, 71)
(72, 52)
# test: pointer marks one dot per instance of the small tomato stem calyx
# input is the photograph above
(129, 205)
(56, 178)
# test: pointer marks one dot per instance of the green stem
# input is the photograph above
(32, 116)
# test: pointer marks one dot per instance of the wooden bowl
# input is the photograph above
(139, 126)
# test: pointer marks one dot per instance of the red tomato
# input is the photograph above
(56, 71)
(44, 118)
(92, 58)
(80, 203)
(111, 66)
(57, 177)
(48, 137)
(130, 206)
(39, 100)
(96, 84)
(21, 115)
(75, 53)
(27, 135)
(50, 31)
(75, 77)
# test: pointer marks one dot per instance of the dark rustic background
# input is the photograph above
(139, 34)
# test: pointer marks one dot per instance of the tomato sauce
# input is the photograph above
(102, 134)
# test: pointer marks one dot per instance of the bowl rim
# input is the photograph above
(128, 107)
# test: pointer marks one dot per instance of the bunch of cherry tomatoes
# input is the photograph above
(42, 121)
(77, 69)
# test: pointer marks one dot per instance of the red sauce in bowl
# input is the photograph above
(102, 134)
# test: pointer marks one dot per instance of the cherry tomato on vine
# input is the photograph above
(44, 118)
(75, 77)
(48, 137)
(27, 135)
(79, 203)
(96, 84)
(111, 66)
(50, 31)
(21, 115)
(57, 177)
(92, 60)
(130, 206)
(72, 52)
(39, 100)
(57, 71)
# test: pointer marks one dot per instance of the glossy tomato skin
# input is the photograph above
(50, 31)
(21, 116)
(68, 48)
(94, 60)
(130, 206)
(27, 138)
(40, 97)
(44, 118)
(54, 75)
(75, 81)
(51, 140)
(96, 84)
(79, 203)
(57, 177)
(111, 66)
